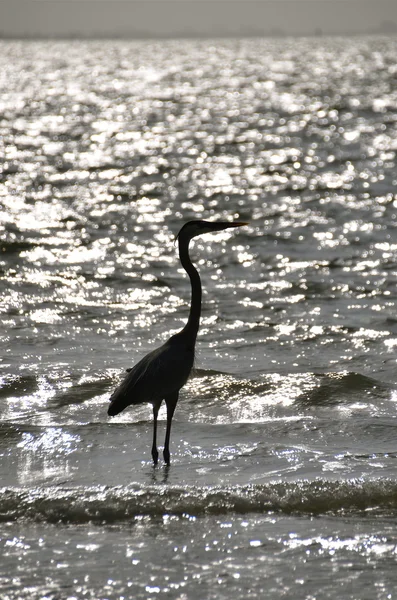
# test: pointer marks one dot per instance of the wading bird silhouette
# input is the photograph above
(163, 372)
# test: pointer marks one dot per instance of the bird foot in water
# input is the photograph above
(167, 457)
(155, 456)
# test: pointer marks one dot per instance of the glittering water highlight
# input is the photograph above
(283, 482)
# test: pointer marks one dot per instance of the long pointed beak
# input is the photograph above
(194, 228)
(219, 225)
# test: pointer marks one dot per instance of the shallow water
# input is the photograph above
(283, 475)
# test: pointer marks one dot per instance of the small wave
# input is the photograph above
(82, 391)
(78, 392)
(15, 385)
(335, 388)
(15, 246)
(103, 505)
(199, 373)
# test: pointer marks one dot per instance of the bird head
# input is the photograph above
(192, 229)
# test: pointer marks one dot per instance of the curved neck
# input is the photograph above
(192, 326)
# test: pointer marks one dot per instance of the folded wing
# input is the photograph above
(159, 374)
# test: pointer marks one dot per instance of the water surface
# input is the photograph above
(283, 476)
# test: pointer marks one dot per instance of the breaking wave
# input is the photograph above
(107, 505)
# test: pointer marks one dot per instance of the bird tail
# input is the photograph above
(114, 409)
(118, 402)
(122, 397)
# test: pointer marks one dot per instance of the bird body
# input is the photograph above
(163, 372)
(171, 364)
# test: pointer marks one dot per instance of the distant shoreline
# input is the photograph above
(190, 36)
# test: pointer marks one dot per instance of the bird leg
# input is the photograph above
(171, 404)
(155, 454)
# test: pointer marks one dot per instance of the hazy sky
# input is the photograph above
(156, 17)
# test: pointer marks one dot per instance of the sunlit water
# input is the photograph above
(284, 445)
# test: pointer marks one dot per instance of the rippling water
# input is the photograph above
(283, 482)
